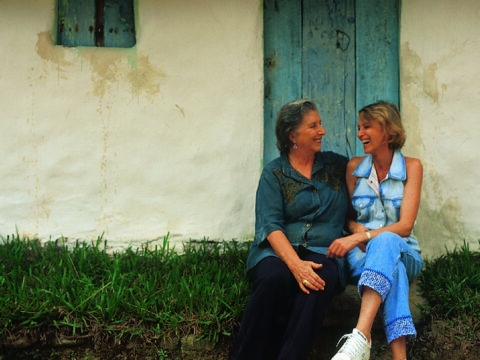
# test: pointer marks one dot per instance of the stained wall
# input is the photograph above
(440, 100)
(164, 137)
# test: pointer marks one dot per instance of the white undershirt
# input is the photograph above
(373, 181)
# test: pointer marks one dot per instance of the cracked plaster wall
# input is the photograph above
(440, 101)
(133, 143)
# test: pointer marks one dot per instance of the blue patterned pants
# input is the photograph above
(387, 266)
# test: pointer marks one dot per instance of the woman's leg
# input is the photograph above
(398, 323)
(309, 311)
(272, 287)
(383, 279)
(371, 302)
(399, 348)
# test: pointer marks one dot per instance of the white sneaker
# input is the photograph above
(355, 348)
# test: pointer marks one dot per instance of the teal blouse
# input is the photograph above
(310, 212)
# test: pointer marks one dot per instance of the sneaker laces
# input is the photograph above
(353, 346)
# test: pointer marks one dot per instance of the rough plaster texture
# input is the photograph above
(440, 100)
(165, 137)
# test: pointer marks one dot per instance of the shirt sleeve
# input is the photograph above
(269, 207)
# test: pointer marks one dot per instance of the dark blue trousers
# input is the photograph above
(280, 321)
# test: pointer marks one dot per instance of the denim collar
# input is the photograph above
(397, 168)
(290, 171)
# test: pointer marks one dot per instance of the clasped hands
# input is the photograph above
(340, 247)
(304, 271)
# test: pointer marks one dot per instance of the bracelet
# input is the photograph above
(369, 236)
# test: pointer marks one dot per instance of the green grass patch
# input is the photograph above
(151, 295)
(451, 284)
(152, 291)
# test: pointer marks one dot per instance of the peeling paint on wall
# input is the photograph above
(439, 103)
(145, 78)
(126, 141)
(415, 73)
(440, 228)
(430, 84)
(109, 66)
(47, 51)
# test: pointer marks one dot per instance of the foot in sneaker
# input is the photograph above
(357, 347)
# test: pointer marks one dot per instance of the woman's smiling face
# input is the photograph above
(372, 135)
(308, 136)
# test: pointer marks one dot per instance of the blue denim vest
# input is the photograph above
(375, 210)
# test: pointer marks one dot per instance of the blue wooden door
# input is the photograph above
(342, 54)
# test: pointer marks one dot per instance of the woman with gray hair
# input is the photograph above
(301, 206)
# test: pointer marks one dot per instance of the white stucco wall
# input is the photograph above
(167, 136)
(440, 100)
(132, 143)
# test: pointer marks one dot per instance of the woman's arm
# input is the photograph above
(302, 270)
(403, 227)
(270, 226)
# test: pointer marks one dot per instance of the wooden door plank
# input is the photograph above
(329, 68)
(377, 53)
(282, 63)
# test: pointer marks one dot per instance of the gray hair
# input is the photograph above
(288, 119)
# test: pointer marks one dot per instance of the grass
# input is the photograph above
(84, 291)
(451, 284)
(155, 294)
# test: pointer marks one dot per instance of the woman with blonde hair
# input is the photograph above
(382, 253)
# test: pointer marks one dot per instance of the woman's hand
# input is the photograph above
(341, 246)
(355, 227)
(303, 271)
(307, 278)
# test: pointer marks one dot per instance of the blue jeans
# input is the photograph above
(387, 266)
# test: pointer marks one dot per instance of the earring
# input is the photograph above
(295, 147)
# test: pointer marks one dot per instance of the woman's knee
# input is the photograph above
(385, 241)
(271, 273)
(328, 271)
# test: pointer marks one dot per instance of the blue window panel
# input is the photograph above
(102, 23)
(119, 24)
(76, 23)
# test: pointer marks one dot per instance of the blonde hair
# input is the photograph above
(388, 116)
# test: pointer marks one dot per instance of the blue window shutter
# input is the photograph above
(119, 23)
(109, 23)
(76, 23)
